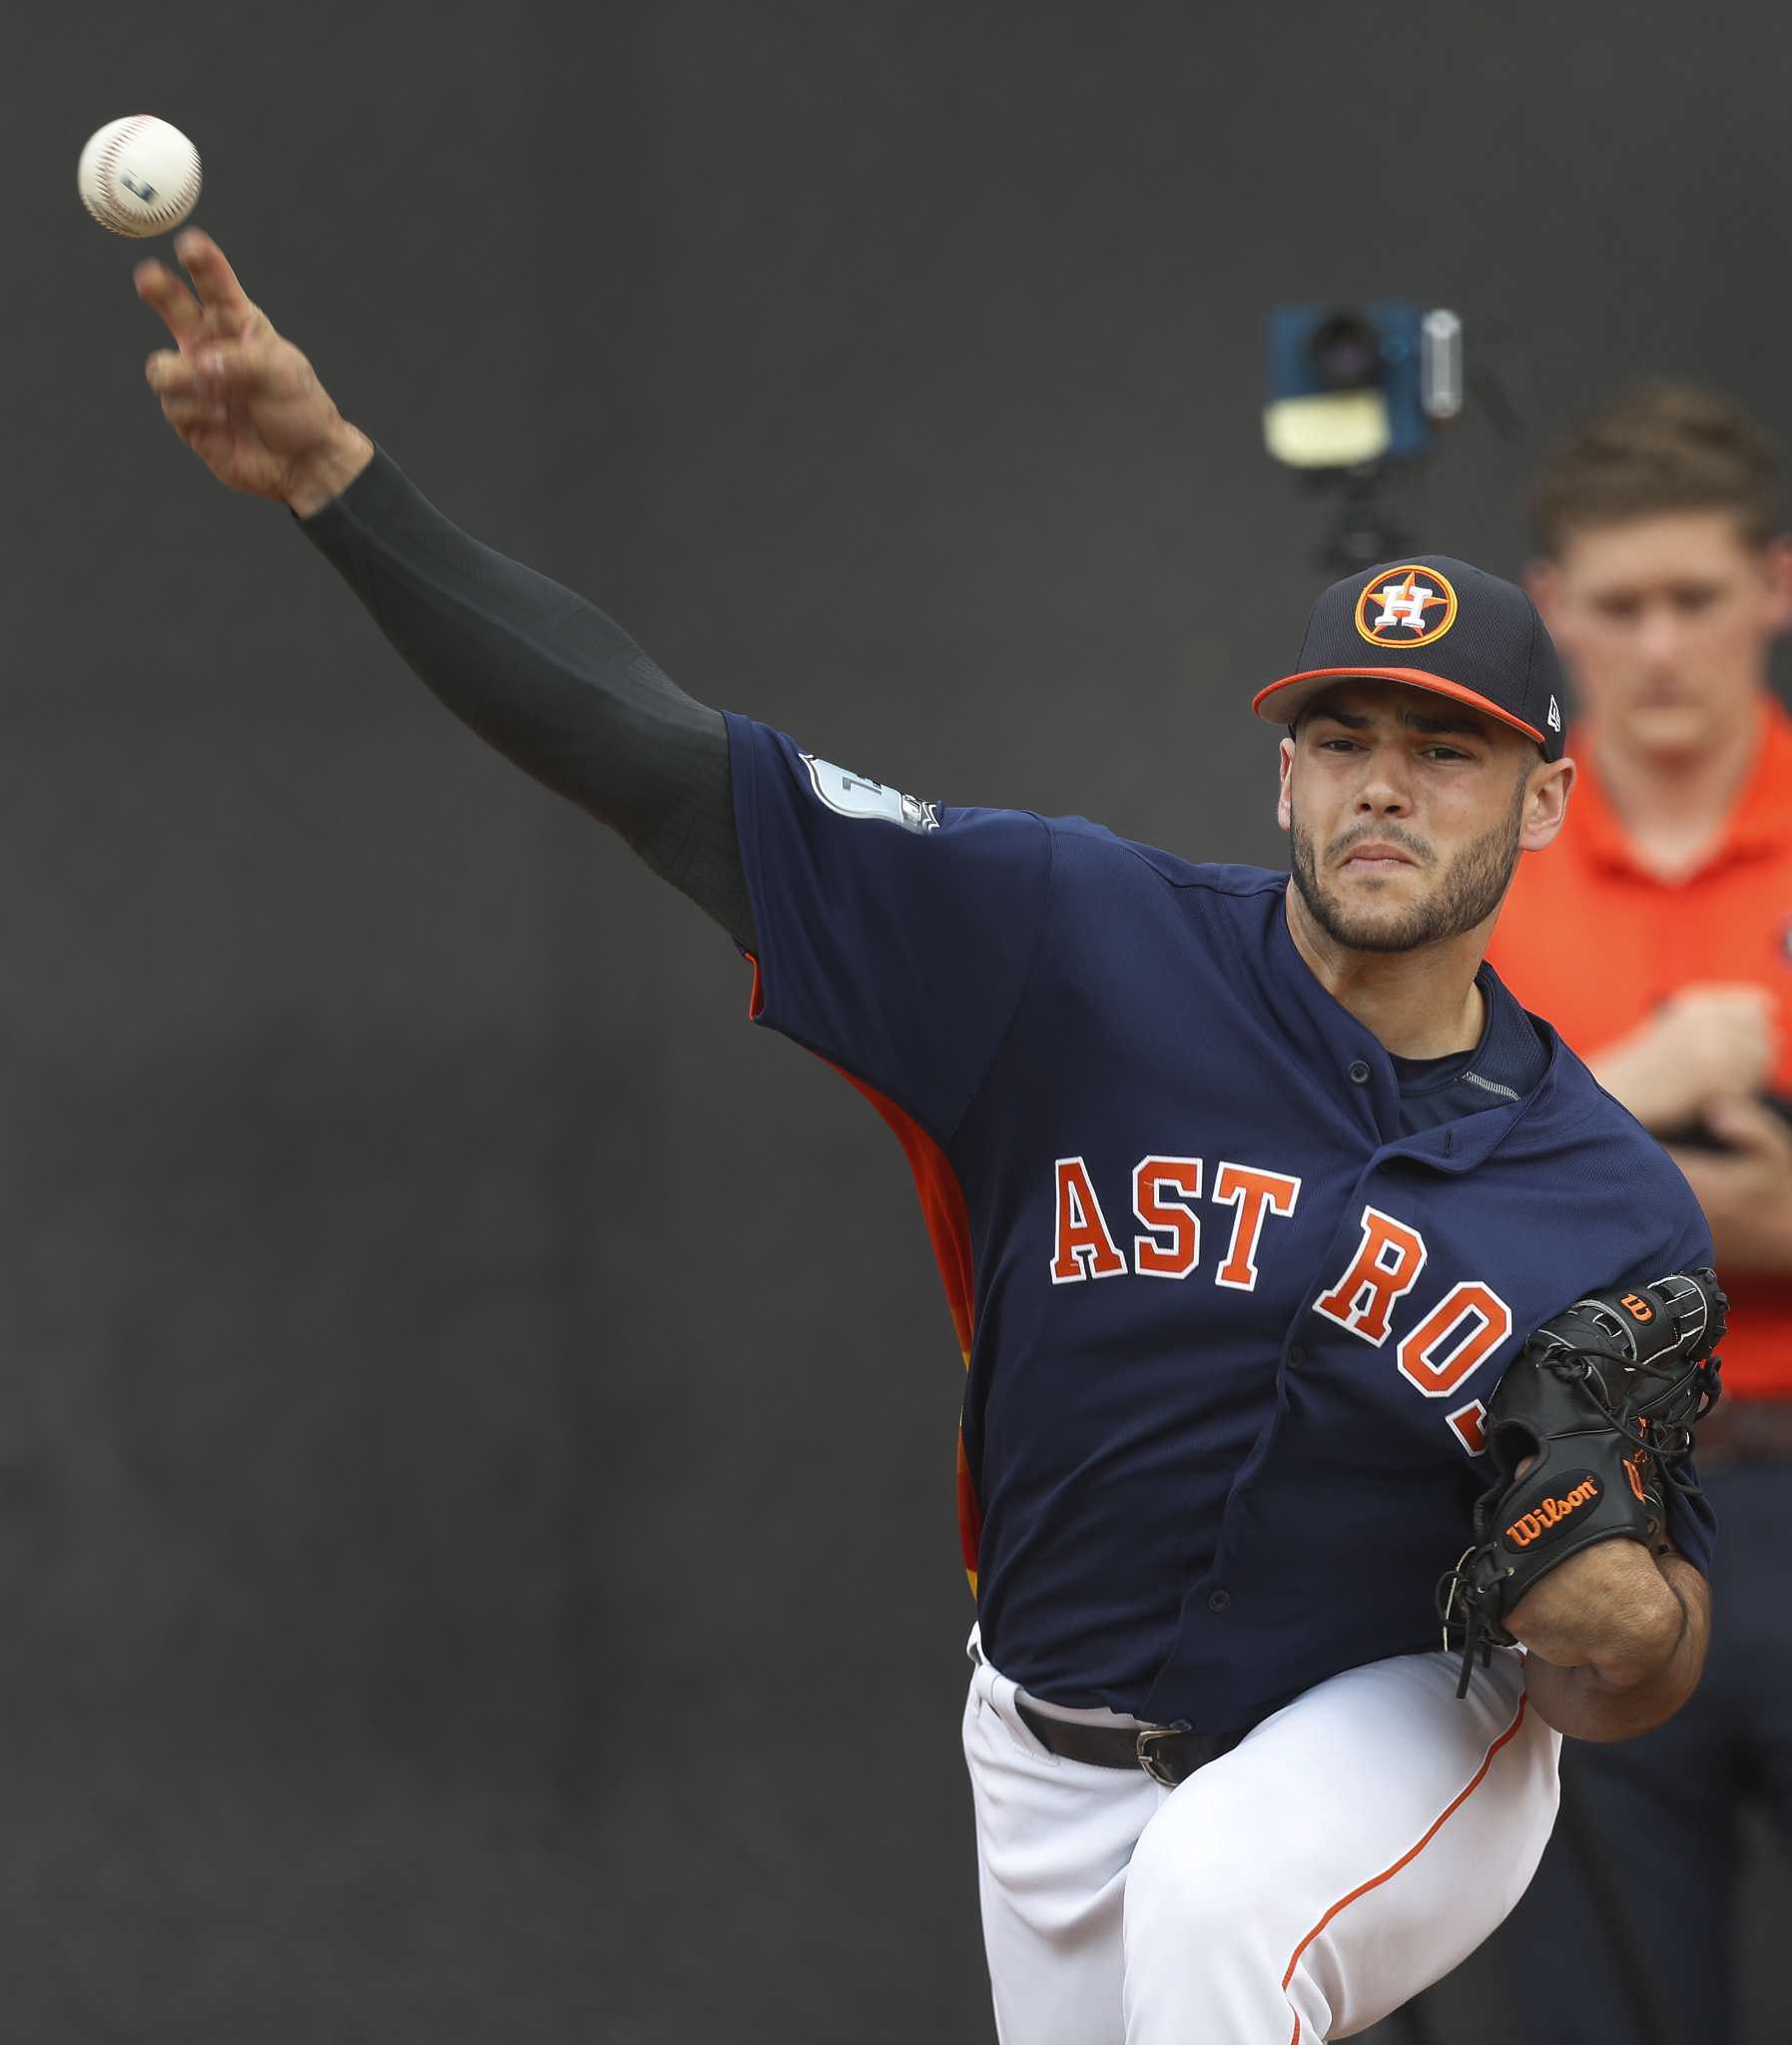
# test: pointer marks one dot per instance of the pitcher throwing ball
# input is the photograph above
(1247, 1187)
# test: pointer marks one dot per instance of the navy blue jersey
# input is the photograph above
(1230, 1331)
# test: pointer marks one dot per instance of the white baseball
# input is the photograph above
(139, 176)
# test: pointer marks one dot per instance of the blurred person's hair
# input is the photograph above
(1657, 448)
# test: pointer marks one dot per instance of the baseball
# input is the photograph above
(138, 175)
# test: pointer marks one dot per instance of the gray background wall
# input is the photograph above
(476, 1542)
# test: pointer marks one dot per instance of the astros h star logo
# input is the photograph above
(1409, 606)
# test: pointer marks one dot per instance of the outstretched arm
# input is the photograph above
(536, 671)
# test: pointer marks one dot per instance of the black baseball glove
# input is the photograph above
(1598, 1409)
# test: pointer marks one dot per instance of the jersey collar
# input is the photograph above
(1335, 1039)
(1759, 822)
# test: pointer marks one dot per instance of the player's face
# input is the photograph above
(1665, 624)
(1407, 813)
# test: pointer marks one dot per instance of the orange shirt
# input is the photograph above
(1592, 941)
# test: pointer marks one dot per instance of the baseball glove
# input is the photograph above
(1597, 1411)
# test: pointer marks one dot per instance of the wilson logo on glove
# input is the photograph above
(1551, 1511)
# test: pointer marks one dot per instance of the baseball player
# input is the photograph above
(1246, 1187)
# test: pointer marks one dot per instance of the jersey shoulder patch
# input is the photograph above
(850, 795)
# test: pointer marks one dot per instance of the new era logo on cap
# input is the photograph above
(1433, 623)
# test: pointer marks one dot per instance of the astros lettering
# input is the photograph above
(1162, 1189)
(1436, 1356)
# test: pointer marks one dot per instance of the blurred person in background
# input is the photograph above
(1658, 940)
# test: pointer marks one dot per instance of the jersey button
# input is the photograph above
(1218, 1601)
(1359, 1072)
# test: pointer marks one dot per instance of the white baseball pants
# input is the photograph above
(1346, 1854)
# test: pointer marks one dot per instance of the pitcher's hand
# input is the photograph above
(1609, 1608)
(244, 399)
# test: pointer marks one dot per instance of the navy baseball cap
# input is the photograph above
(1439, 626)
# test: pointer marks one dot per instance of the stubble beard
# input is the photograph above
(1469, 892)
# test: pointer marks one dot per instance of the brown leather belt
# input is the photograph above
(1744, 1430)
(1167, 1755)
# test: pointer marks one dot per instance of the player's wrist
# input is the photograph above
(322, 477)
(1646, 1636)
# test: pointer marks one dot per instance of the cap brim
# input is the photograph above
(1282, 702)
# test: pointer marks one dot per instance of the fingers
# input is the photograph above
(214, 370)
(1746, 1125)
(220, 307)
(212, 277)
(182, 412)
(158, 287)
(187, 400)
(1736, 996)
(172, 375)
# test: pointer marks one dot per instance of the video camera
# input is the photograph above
(1352, 391)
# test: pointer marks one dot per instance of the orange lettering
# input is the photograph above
(1640, 1309)
(1254, 1194)
(1469, 1425)
(1490, 1322)
(1084, 1249)
(1385, 1268)
(1150, 1257)
(1551, 1512)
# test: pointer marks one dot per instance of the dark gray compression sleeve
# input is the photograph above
(548, 680)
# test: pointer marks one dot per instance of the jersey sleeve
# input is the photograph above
(895, 935)
(1691, 1523)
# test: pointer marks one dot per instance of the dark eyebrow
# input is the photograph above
(1475, 727)
(1414, 720)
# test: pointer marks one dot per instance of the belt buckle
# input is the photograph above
(1150, 1762)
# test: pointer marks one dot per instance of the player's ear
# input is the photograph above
(1545, 803)
(1778, 560)
(1284, 802)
